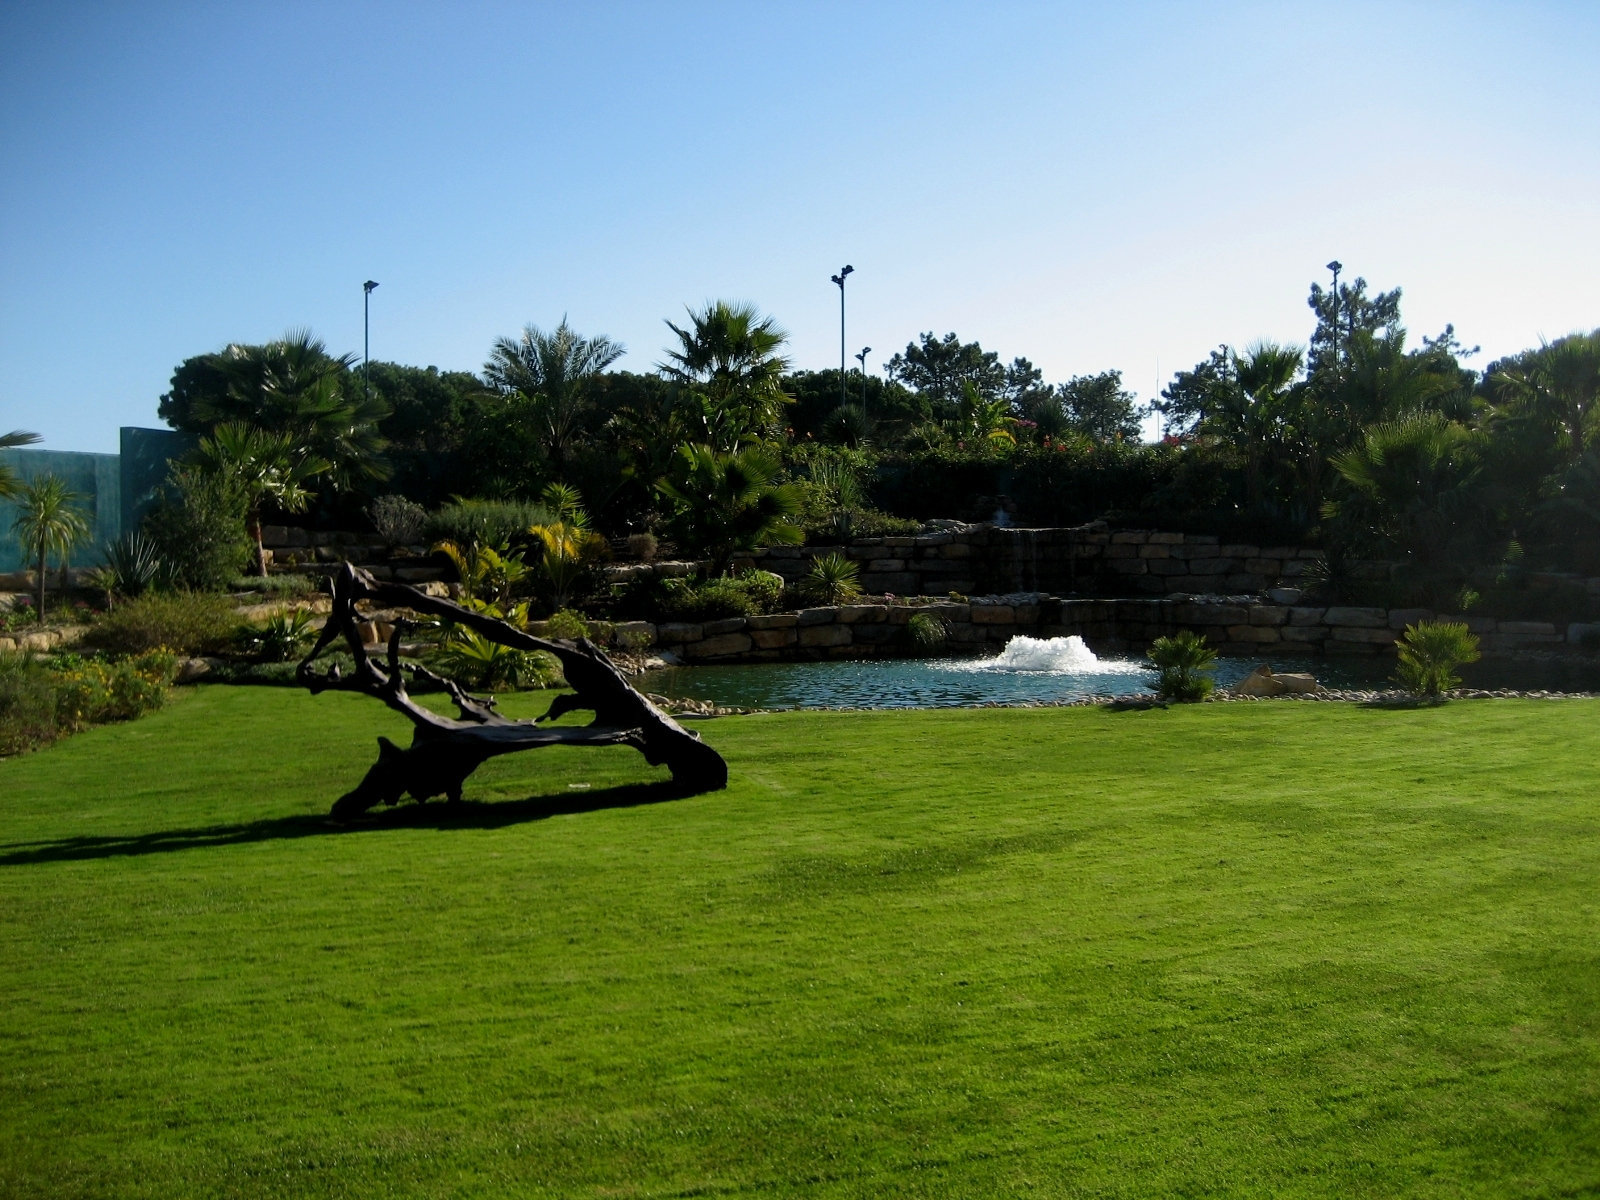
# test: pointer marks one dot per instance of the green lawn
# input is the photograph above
(1232, 950)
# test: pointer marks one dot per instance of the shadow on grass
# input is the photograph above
(469, 814)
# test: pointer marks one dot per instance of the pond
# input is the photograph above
(1034, 670)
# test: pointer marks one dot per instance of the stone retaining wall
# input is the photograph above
(1108, 626)
(1086, 559)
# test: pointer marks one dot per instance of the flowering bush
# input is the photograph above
(42, 699)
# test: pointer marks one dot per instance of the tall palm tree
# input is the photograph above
(1248, 407)
(263, 466)
(549, 373)
(10, 483)
(730, 356)
(1557, 388)
(48, 523)
(294, 387)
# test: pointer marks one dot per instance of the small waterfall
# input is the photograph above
(1022, 560)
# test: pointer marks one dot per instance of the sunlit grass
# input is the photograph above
(1258, 950)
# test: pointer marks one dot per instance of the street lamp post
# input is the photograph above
(1335, 266)
(862, 359)
(366, 338)
(839, 279)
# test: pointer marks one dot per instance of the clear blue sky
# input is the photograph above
(1091, 185)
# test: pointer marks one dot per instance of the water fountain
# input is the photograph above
(1028, 670)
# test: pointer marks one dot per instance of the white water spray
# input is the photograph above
(1045, 656)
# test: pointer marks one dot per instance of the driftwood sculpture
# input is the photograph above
(444, 750)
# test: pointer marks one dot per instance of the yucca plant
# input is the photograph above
(1182, 661)
(132, 566)
(280, 637)
(834, 579)
(1430, 651)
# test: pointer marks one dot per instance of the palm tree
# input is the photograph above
(10, 484)
(1556, 388)
(985, 420)
(294, 387)
(727, 502)
(730, 358)
(550, 372)
(1248, 407)
(263, 466)
(48, 523)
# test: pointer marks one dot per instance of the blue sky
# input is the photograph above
(1090, 185)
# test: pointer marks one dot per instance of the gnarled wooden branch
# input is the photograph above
(445, 750)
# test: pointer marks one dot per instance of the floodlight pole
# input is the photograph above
(839, 279)
(366, 338)
(862, 359)
(1335, 266)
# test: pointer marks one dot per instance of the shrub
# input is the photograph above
(486, 522)
(42, 699)
(1182, 660)
(834, 579)
(399, 522)
(198, 528)
(743, 595)
(927, 632)
(1429, 652)
(183, 622)
(643, 546)
(27, 704)
(474, 660)
(566, 624)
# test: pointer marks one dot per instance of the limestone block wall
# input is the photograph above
(1087, 559)
(1109, 626)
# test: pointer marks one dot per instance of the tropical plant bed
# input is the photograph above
(1246, 950)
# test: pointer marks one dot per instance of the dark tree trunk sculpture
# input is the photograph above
(444, 751)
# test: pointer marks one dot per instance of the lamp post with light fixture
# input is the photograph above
(839, 279)
(366, 338)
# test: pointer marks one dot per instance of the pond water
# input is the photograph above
(1032, 670)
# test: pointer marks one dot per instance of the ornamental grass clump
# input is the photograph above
(927, 632)
(1430, 651)
(1183, 661)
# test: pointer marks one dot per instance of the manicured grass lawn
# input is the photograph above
(1265, 950)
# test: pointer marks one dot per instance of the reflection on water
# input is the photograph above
(1034, 670)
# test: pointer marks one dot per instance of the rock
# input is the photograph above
(1260, 682)
(1285, 595)
(191, 669)
(1300, 684)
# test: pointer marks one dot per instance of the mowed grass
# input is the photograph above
(1231, 950)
